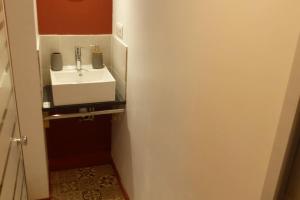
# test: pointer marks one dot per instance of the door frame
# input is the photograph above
(284, 135)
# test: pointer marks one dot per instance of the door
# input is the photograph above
(12, 174)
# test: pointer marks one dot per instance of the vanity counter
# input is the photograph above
(76, 110)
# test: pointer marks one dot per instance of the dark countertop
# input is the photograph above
(65, 109)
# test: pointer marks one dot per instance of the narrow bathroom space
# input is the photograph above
(80, 161)
(149, 100)
(83, 80)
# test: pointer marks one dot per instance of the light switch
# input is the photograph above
(119, 30)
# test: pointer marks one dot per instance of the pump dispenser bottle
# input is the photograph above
(97, 58)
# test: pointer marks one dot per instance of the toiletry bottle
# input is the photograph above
(97, 58)
(56, 61)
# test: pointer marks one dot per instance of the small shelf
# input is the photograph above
(52, 112)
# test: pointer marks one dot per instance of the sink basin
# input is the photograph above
(94, 85)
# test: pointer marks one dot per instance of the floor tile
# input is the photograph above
(89, 183)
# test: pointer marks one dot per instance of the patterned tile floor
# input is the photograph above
(90, 183)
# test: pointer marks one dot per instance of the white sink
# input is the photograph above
(94, 85)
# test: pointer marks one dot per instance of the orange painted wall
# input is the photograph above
(74, 16)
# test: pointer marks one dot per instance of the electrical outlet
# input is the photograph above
(119, 30)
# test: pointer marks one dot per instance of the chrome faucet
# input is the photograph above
(78, 60)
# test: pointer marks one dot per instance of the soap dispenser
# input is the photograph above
(97, 57)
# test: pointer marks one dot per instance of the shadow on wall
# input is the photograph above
(122, 153)
(291, 163)
(284, 136)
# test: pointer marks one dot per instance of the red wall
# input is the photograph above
(72, 143)
(74, 16)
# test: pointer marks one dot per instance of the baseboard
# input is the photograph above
(119, 180)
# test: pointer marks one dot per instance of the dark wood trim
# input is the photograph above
(120, 180)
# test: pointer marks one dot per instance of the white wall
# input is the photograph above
(206, 84)
(22, 38)
(36, 22)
